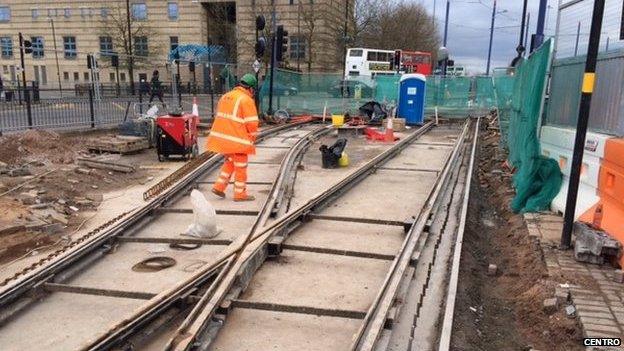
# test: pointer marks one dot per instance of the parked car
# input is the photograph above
(346, 88)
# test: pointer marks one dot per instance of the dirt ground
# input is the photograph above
(504, 312)
(55, 195)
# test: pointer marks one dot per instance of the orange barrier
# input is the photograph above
(608, 213)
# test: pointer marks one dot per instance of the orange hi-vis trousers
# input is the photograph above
(237, 164)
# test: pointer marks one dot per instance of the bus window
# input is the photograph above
(372, 56)
(356, 53)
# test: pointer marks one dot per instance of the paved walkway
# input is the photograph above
(592, 289)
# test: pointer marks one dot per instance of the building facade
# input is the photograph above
(63, 33)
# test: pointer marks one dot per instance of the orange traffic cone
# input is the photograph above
(195, 107)
(389, 137)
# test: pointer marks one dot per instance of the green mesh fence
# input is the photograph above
(503, 91)
(484, 92)
(537, 179)
(313, 93)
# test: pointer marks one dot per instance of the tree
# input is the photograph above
(400, 26)
(310, 17)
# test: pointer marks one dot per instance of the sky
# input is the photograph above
(469, 29)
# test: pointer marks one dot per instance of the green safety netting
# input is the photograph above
(484, 92)
(503, 91)
(537, 179)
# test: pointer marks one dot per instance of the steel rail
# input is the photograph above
(298, 214)
(287, 167)
(101, 236)
(373, 323)
(447, 324)
(121, 331)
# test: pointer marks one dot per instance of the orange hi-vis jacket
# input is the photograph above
(235, 126)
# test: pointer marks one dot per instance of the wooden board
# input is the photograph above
(118, 144)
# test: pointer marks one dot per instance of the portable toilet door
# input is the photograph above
(412, 98)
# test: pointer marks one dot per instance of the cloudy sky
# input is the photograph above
(469, 28)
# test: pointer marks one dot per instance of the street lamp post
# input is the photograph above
(494, 13)
(58, 70)
(446, 20)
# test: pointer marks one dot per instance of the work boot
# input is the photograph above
(248, 198)
(219, 193)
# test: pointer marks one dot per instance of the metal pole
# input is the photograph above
(539, 32)
(607, 46)
(130, 58)
(587, 89)
(433, 18)
(487, 70)
(26, 93)
(578, 35)
(446, 20)
(557, 27)
(344, 38)
(178, 87)
(526, 32)
(117, 75)
(210, 86)
(522, 44)
(58, 69)
(273, 59)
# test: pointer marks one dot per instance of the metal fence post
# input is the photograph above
(91, 107)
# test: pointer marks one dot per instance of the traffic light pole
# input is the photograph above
(587, 88)
(26, 93)
(273, 60)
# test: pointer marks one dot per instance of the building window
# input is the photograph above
(34, 13)
(173, 43)
(5, 13)
(139, 11)
(122, 76)
(104, 12)
(7, 47)
(69, 46)
(67, 13)
(76, 76)
(172, 10)
(37, 47)
(86, 76)
(112, 76)
(52, 13)
(65, 75)
(140, 46)
(297, 47)
(106, 45)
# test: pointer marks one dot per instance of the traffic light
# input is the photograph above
(282, 43)
(260, 47)
(450, 63)
(397, 59)
(28, 47)
(260, 23)
(191, 66)
(115, 60)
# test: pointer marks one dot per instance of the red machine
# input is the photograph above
(176, 135)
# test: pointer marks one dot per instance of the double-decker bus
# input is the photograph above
(415, 62)
(368, 62)
(372, 62)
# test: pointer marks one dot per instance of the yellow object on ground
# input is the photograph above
(337, 120)
(343, 161)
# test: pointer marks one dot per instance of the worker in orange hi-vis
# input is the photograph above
(233, 134)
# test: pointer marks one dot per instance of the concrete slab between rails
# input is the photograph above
(397, 195)
(64, 321)
(374, 238)
(117, 268)
(597, 296)
(256, 173)
(280, 331)
(320, 280)
(260, 192)
(420, 157)
(171, 225)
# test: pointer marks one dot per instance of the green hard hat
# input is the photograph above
(249, 80)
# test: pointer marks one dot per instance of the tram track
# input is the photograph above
(33, 287)
(352, 257)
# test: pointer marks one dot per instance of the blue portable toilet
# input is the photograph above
(412, 98)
